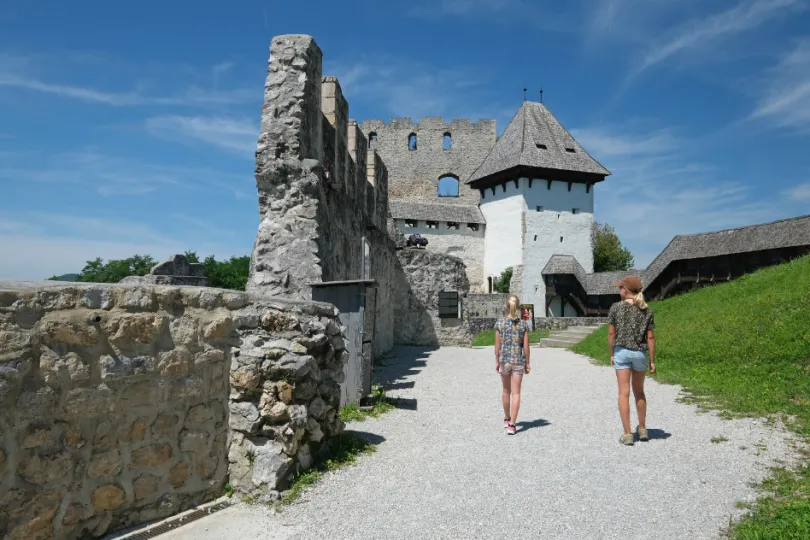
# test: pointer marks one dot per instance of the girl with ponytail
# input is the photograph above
(511, 359)
(631, 331)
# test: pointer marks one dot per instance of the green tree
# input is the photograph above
(113, 271)
(229, 274)
(608, 252)
(501, 284)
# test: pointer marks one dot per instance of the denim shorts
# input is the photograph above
(629, 359)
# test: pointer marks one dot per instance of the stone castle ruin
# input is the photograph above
(126, 403)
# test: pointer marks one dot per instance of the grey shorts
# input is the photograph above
(509, 369)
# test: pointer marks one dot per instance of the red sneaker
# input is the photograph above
(511, 429)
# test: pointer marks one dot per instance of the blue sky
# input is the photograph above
(130, 127)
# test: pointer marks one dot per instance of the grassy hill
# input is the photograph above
(744, 347)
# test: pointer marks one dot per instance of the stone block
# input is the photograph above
(186, 388)
(244, 417)
(165, 425)
(138, 299)
(120, 367)
(151, 455)
(140, 394)
(41, 438)
(145, 486)
(179, 474)
(134, 334)
(136, 431)
(47, 468)
(73, 514)
(91, 401)
(174, 362)
(38, 518)
(105, 464)
(108, 497)
(194, 441)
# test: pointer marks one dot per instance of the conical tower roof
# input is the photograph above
(534, 142)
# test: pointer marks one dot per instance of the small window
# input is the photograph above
(448, 304)
(412, 141)
(570, 150)
(372, 139)
(575, 210)
(535, 238)
(542, 146)
(472, 226)
(410, 223)
(432, 224)
(540, 208)
(447, 141)
(452, 225)
(561, 239)
(448, 186)
(558, 215)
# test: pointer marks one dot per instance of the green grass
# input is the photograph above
(485, 339)
(338, 452)
(380, 404)
(743, 348)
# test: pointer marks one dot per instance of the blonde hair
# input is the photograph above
(512, 307)
(639, 301)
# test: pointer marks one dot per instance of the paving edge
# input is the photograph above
(151, 530)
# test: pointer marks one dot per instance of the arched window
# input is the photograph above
(372, 139)
(447, 141)
(448, 186)
(412, 141)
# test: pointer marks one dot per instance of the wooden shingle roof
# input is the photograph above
(424, 211)
(534, 139)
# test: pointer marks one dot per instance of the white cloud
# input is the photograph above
(799, 193)
(657, 191)
(115, 176)
(37, 246)
(697, 33)
(505, 11)
(786, 96)
(239, 135)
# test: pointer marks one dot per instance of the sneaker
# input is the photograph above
(627, 439)
(506, 422)
(642, 434)
(511, 429)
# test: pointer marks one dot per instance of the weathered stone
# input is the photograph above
(39, 404)
(338, 343)
(39, 518)
(136, 432)
(105, 464)
(209, 356)
(39, 438)
(218, 329)
(165, 425)
(91, 401)
(275, 321)
(44, 469)
(142, 299)
(293, 365)
(74, 439)
(98, 299)
(174, 362)
(69, 328)
(245, 417)
(140, 394)
(151, 455)
(185, 330)
(318, 408)
(145, 486)
(314, 430)
(73, 514)
(305, 390)
(121, 366)
(107, 497)
(270, 464)
(246, 378)
(206, 465)
(285, 392)
(276, 413)
(128, 333)
(106, 433)
(194, 441)
(179, 474)
(186, 387)
(56, 369)
(314, 342)
(200, 414)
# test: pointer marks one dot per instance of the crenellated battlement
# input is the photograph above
(429, 122)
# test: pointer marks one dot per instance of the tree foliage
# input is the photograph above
(608, 252)
(227, 274)
(501, 284)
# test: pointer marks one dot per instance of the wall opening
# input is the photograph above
(448, 186)
(448, 305)
(540, 208)
(561, 239)
(575, 210)
(452, 225)
(535, 238)
(372, 139)
(410, 223)
(366, 259)
(489, 285)
(472, 226)
(412, 141)
(447, 142)
(542, 146)
(432, 224)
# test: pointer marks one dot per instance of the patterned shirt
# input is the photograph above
(631, 325)
(512, 332)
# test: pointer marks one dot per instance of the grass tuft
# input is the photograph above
(338, 452)
(380, 404)
(487, 339)
(743, 348)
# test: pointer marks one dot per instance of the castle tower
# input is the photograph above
(536, 195)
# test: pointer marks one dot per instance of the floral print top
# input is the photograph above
(512, 332)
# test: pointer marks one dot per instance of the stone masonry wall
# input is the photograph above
(115, 408)
(421, 276)
(414, 174)
(322, 193)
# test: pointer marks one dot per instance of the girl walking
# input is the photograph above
(511, 359)
(629, 334)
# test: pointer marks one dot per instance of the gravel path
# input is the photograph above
(445, 469)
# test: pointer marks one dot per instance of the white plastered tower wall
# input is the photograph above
(557, 222)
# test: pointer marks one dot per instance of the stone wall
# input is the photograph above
(174, 271)
(323, 197)
(486, 305)
(115, 409)
(414, 174)
(421, 276)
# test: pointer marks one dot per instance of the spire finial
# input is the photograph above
(524, 94)
(541, 94)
